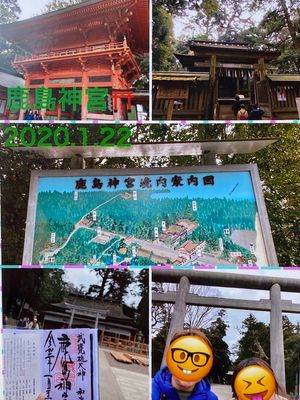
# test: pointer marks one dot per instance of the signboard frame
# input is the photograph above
(250, 168)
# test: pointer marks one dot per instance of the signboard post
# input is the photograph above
(298, 106)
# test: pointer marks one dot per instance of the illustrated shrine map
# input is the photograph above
(178, 219)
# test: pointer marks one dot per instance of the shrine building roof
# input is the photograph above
(284, 77)
(227, 45)
(180, 76)
(226, 51)
(109, 308)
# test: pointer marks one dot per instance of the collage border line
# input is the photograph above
(51, 122)
(151, 267)
(136, 123)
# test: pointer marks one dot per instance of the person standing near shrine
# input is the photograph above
(37, 116)
(34, 324)
(189, 359)
(256, 113)
(242, 115)
(236, 106)
(29, 116)
(254, 378)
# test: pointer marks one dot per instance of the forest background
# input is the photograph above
(261, 24)
(253, 341)
(278, 166)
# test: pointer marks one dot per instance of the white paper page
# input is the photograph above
(22, 367)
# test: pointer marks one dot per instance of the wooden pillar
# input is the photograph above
(96, 320)
(85, 82)
(71, 318)
(118, 341)
(249, 89)
(78, 162)
(22, 112)
(178, 315)
(101, 337)
(262, 69)
(276, 335)
(170, 110)
(32, 97)
(46, 84)
(209, 158)
(212, 68)
(116, 85)
(118, 115)
(212, 82)
(58, 111)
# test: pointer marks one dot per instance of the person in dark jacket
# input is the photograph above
(167, 386)
(256, 113)
(236, 106)
(162, 388)
(29, 115)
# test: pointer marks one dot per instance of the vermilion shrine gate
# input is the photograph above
(88, 45)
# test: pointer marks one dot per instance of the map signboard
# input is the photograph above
(212, 215)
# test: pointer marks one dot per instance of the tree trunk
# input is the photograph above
(290, 25)
(103, 283)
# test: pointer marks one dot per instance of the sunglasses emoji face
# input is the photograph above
(254, 382)
(189, 358)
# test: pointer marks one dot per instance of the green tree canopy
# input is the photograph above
(163, 58)
(142, 316)
(261, 23)
(9, 11)
(36, 288)
(278, 167)
(279, 172)
(114, 283)
(255, 341)
(222, 363)
(58, 4)
(252, 333)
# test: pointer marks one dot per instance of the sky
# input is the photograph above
(182, 25)
(235, 317)
(88, 277)
(29, 8)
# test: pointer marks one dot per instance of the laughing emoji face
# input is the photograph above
(254, 382)
(189, 358)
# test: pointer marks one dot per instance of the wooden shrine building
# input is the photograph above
(215, 73)
(79, 311)
(93, 44)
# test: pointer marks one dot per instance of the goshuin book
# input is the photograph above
(58, 363)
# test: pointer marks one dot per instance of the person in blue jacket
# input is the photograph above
(180, 385)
